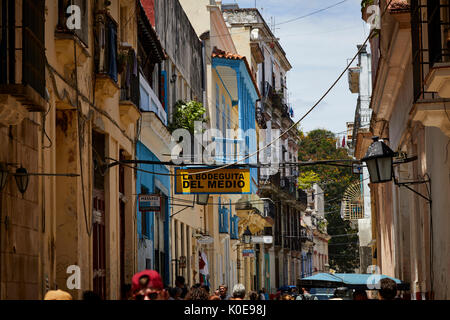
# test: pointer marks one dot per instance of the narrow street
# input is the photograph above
(224, 150)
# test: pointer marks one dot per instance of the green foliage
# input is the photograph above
(365, 3)
(321, 145)
(307, 179)
(322, 225)
(185, 115)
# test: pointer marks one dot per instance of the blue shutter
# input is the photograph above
(224, 131)
(217, 108)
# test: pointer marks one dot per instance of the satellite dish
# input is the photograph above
(254, 35)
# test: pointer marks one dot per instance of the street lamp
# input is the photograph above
(202, 199)
(21, 177)
(247, 236)
(3, 175)
(379, 160)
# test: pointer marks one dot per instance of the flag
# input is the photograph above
(203, 268)
(203, 263)
(343, 142)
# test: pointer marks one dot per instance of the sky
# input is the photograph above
(318, 48)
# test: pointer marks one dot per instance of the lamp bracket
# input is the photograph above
(402, 158)
(186, 206)
(407, 183)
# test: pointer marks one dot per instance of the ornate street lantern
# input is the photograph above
(247, 236)
(202, 199)
(21, 177)
(379, 159)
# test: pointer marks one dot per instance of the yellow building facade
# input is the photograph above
(75, 232)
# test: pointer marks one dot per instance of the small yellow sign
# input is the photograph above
(223, 181)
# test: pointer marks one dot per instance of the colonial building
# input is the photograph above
(278, 263)
(63, 120)
(171, 72)
(360, 82)
(409, 104)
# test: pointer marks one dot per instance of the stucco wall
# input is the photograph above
(180, 41)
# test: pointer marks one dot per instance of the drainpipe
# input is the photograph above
(204, 75)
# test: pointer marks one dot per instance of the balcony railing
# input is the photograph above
(149, 101)
(267, 90)
(130, 84)
(269, 209)
(430, 25)
(106, 52)
(288, 185)
(306, 235)
(22, 52)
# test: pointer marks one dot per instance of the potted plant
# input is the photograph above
(364, 5)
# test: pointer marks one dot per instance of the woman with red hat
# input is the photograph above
(148, 285)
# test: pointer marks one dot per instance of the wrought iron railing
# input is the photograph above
(130, 87)
(106, 47)
(430, 32)
(23, 62)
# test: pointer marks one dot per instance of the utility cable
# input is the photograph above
(312, 108)
(312, 13)
(301, 119)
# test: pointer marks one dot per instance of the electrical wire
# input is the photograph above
(301, 119)
(312, 13)
(81, 142)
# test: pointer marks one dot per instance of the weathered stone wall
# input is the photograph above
(20, 215)
(180, 42)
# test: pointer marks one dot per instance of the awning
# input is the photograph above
(350, 280)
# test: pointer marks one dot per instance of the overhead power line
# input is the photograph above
(312, 13)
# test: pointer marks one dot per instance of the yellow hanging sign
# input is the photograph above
(223, 181)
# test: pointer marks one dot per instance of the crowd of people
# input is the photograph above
(148, 285)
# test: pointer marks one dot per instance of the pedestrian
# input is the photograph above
(305, 295)
(339, 293)
(197, 293)
(287, 296)
(360, 294)
(148, 285)
(253, 295)
(238, 292)
(223, 292)
(388, 289)
(57, 295)
(261, 295)
(180, 282)
(175, 293)
(206, 288)
(294, 293)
